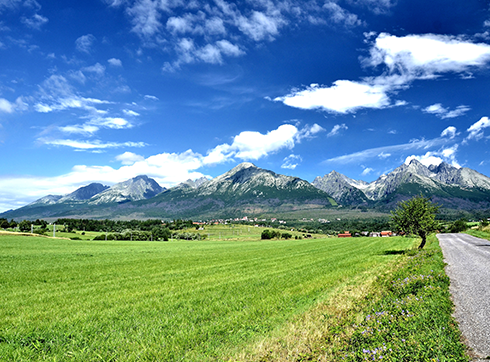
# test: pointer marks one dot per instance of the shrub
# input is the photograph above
(266, 235)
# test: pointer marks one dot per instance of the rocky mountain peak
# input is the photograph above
(138, 188)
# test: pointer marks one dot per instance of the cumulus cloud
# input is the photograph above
(337, 129)
(145, 17)
(403, 59)
(129, 158)
(250, 145)
(343, 96)
(447, 155)
(260, 26)
(476, 129)
(9, 107)
(84, 43)
(97, 68)
(441, 112)
(6, 106)
(115, 62)
(426, 55)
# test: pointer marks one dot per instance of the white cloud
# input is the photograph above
(367, 171)
(97, 68)
(449, 132)
(129, 158)
(476, 129)
(447, 155)
(309, 132)
(427, 159)
(291, 162)
(150, 97)
(85, 129)
(340, 15)
(115, 62)
(441, 112)
(342, 97)
(84, 43)
(337, 129)
(384, 155)
(145, 17)
(9, 107)
(111, 122)
(35, 22)
(90, 145)
(6, 106)
(129, 112)
(426, 55)
(179, 25)
(360, 156)
(188, 53)
(229, 49)
(254, 145)
(260, 26)
(406, 58)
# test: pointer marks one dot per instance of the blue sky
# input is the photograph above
(105, 90)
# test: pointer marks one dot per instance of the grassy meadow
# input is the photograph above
(230, 297)
(95, 300)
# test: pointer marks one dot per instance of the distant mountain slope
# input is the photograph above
(46, 200)
(84, 193)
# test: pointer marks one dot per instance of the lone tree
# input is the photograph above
(416, 216)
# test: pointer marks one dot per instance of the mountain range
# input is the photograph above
(249, 190)
(446, 185)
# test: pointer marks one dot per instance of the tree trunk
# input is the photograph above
(422, 244)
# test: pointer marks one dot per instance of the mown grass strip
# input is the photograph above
(405, 315)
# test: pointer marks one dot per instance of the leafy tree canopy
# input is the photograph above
(415, 216)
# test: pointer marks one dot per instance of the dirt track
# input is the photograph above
(468, 260)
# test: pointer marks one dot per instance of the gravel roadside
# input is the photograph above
(468, 268)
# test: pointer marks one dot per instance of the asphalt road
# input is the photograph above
(468, 260)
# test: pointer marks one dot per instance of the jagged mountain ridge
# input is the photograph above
(444, 183)
(343, 189)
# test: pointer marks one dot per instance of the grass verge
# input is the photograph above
(404, 315)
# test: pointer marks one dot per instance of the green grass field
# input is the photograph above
(168, 301)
